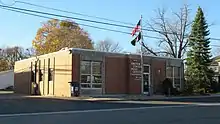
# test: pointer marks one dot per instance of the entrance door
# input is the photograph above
(146, 79)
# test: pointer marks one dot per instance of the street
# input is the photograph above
(54, 111)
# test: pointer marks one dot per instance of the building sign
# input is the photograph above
(135, 69)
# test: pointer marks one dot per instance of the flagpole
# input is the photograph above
(142, 63)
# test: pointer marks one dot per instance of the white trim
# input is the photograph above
(149, 79)
(90, 88)
(85, 74)
(173, 75)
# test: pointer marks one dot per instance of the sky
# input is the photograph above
(19, 29)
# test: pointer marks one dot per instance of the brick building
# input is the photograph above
(97, 72)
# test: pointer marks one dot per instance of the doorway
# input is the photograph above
(146, 79)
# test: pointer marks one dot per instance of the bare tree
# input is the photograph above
(12, 54)
(108, 46)
(216, 51)
(30, 52)
(172, 31)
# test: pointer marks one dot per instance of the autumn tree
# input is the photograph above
(108, 45)
(172, 30)
(55, 35)
(3, 65)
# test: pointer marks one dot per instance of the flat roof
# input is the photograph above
(90, 50)
(35, 57)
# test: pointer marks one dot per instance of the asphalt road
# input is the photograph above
(203, 99)
(82, 112)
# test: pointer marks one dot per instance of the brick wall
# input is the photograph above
(134, 75)
(116, 75)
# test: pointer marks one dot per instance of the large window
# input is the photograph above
(173, 73)
(91, 74)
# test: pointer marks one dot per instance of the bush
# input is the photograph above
(167, 86)
(188, 87)
(215, 87)
(175, 92)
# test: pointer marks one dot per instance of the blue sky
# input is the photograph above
(20, 29)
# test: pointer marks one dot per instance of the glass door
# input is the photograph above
(146, 83)
(146, 79)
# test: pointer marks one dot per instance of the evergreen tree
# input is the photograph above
(199, 55)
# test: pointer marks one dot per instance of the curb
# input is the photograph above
(90, 98)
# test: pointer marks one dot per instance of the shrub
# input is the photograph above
(167, 86)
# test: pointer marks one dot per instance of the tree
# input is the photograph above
(108, 46)
(150, 52)
(172, 31)
(216, 51)
(9, 55)
(30, 52)
(144, 51)
(199, 55)
(55, 35)
(3, 65)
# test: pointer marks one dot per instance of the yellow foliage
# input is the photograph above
(55, 35)
(4, 65)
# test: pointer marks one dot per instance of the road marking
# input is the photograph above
(155, 102)
(90, 111)
(208, 104)
(169, 102)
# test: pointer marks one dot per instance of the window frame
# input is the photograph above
(90, 68)
(148, 69)
(91, 74)
(173, 76)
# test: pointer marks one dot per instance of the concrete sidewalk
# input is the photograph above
(136, 98)
(145, 97)
(11, 95)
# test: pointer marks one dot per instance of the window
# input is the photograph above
(173, 73)
(40, 75)
(32, 76)
(96, 68)
(50, 74)
(146, 69)
(40, 72)
(176, 72)
(91, 74)
(85, 67)
(169, 72)
(33, 71)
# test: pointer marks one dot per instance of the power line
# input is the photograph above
(99, 22)
(45, 7)
(75, 13)
(81, 19)
(79, 23)
(57, 15)
(117, 25)
(87, 25)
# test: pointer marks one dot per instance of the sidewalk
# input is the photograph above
(11, 95)
(144, 97)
